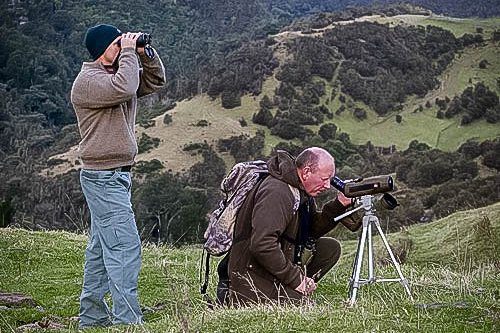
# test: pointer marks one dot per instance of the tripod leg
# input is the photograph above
(356, 270)
(403, 281)
(371, 277)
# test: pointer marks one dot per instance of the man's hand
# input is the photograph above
(345, 201)
(307, 286)
(129, 39)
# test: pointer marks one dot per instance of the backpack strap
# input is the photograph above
(296, 197)
(302, 239)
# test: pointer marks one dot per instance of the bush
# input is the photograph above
(147, 167)
(202, 123)
(167, 119)
(327, 131)
(360, 113)
(483, 64)
(263, 117)
(6, 213)
(288, 129)
(230, 99)
(147, 143)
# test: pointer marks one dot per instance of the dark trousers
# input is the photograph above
(325, 256)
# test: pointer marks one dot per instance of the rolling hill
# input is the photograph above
(444, 134)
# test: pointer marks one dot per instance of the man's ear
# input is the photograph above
(306, 172)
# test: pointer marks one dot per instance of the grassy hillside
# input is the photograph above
(452, 265)
(445, 134)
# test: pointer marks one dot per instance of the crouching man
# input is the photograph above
(274, 223)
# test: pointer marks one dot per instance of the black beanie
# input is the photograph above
(98, 38)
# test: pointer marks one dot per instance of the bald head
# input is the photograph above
(315, 167)
(313, 157)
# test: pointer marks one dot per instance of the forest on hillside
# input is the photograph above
(222, 48)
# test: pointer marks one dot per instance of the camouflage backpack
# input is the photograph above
(235, 187)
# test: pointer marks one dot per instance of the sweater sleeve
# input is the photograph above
(153, 75)
(101, 90)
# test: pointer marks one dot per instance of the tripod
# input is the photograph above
(370, 220)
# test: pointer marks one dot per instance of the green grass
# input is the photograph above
(452, 265)
(461, 26)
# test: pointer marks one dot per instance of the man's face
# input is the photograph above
(318, 181)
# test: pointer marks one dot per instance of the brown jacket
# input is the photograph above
(261, 264)
(106, 105)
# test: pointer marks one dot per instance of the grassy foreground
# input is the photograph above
(452, 264)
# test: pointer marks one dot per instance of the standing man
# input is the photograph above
(104, 96)
(274, 224)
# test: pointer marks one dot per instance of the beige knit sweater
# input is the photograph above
(106, 106)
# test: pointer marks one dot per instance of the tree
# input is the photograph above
(230, 99)
(263, 117)
(327, 131)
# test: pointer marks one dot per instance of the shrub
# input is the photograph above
(263, 117)
(360, 113)
(167, 119)
(147, 143)
(327, 131)
(230, 99)
(147, 167)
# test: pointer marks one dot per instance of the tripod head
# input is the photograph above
(366, 202)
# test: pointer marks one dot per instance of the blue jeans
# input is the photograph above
(113, 254)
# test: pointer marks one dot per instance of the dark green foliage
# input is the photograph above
(327, 131)
(475, 103)
(441, 103)
(209, 172)
(491, 151)
(170, 211)
(147, 143)
(399, 118)
(263, 117)
(483, 64)
(243, 148)
(167, 119)
(470, 149)
(202, 123)
(341, 109)
(469, 39)
(230, 99)
(359, 114)
(380, 71)
(195, 146)
(148, 167)
(289, 129)
(289, 147)
(145, 115)
(495, 35)
(6, 212)
(429, 167)
(265, 103)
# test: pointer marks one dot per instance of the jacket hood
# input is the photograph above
(282, 166)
